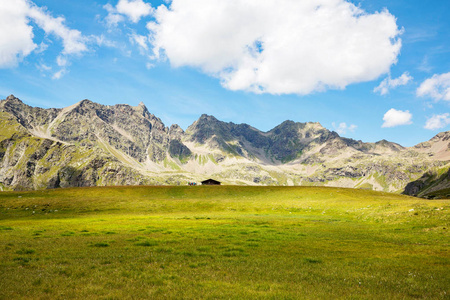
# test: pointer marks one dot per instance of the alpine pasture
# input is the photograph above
(222, 242)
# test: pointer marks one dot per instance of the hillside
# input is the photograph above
(88, 144)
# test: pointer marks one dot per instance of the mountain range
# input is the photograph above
(89, 144)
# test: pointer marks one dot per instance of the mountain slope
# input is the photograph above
(30, 162)
(95, 143)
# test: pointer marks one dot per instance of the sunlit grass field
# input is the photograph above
(222, 242)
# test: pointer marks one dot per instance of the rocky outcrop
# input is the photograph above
(178, 150)
(429, 184)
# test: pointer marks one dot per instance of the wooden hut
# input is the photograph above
(210, 182)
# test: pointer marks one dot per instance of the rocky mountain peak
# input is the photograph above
(382, 142)
(380, 147)
(26, 115)
(387, 143)
(12, 97)
(316, 124)
(86, 103)
(287, 125)
(442, 136)
(143, 111)
(207, 119)
(205, 127)
(11, 101)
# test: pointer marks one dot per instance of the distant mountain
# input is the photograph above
(89, 144)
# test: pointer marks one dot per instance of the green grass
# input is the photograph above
(222, 242)
(171, 164)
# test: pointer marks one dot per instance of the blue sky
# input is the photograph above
(368, 69)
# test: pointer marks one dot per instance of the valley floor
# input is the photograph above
(222, 242)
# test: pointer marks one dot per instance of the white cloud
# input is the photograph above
(277, 46)
(16, 32)
(59, 74)
(389, 83)
(393, 118)
(141, 41)
(41, 48)
(342, 128)
(43, 67)
(436, 87)
(61, 61)
(73, 41)
(16, 35)
(437, 121)
(102, 41)
(133, 9)
(113, 18)
(425, 65)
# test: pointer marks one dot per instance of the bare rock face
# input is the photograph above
(132, 130)
(89, 144)
(430, 184)
(28, 163)
(284, 143)
(75, 146)
(128, 129)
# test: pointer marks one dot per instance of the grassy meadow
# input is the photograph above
(222, 242)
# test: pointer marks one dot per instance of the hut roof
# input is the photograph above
(210, 182)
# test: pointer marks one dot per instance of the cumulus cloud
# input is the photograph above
(437, 121)
(436, 87)
(389, 83)
(277, 46)
(133, 9)
(16, 36)
(113, 18)
(393, 118)
(342, 128)
(16, 31)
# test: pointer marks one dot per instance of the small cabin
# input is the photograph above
(210, 182)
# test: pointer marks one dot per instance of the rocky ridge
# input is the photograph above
(89, 144)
